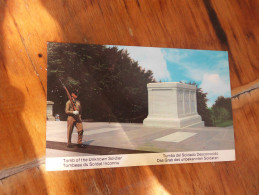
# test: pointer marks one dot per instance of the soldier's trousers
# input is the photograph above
(71, 122)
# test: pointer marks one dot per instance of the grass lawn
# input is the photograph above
(224, 123)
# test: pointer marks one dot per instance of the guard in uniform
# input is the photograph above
(74, 119)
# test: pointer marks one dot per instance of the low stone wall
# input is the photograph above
(50, 116)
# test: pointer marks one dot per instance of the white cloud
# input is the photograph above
(214, 77)
(215, 86)
(150, 59)
(195, 73)
(174, 55)
(182, 59)
(212, 83)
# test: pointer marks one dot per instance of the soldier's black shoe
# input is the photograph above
(69, 145)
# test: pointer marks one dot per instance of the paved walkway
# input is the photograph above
(125, 138)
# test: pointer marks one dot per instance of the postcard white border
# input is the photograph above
(125, 160)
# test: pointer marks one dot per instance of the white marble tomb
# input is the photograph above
(172, 104)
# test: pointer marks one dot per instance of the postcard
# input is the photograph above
(118, 106)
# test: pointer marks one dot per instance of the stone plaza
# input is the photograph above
(105, 138)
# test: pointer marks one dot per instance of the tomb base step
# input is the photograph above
(188, 121)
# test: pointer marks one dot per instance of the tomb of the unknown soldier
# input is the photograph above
(172, 104)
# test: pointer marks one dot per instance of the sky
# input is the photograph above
(209, 69)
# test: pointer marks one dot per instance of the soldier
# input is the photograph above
(74, 119)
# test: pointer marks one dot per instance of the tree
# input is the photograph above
(113, 87)
(202, 107)
(225, 103)
(222, 110)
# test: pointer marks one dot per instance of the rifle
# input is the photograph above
(68, 95)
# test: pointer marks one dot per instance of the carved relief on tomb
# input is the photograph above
(193, 102)
(180, 101)
(187, 102)
(161, 102)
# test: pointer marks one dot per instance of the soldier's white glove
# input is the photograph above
(75, 112)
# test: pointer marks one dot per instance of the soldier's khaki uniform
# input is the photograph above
(74, 120)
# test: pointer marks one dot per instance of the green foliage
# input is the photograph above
(202, 107)
(112, 86)
(221, 111)
(220, 114)
(223, 102)
(224, 123)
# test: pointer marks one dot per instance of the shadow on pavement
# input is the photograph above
(88, 142)
(98, 150)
